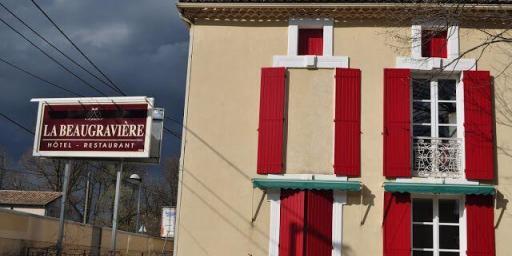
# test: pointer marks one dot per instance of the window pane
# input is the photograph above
(447, 89)
(448, 237)
(448, 211)
(422, 236)
(448, 254)
(421, 130)
(447, 131)
(447, 113)
(420, 89)
(422, 210)
(422, 253)
(421, 112)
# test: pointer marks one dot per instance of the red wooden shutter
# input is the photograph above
(397, 123)
(311, 42)
(318, 240)
(347, 123)
(480, 225)
(270, 131)
(397, 224)
(291, 229)
(434, 43)
(478, 125)
(438, 45)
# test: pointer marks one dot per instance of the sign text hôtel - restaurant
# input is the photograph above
(101, 127)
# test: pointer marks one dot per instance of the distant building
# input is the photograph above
(42, 203)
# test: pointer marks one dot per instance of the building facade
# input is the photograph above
(357, 128)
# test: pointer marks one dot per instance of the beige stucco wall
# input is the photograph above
(19, 231)
(310, 121)
(220, 150)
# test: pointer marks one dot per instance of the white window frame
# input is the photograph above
(434, 100)
(339, 199)
(452, 45)
(294, 25)
(451, 63)
(326, 60)
(462, 221)
(459, 99)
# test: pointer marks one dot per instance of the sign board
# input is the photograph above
(168, 222)
(102, 127)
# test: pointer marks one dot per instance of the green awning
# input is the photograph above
(436, 188)
(307, 184)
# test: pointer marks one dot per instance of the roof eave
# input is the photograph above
(279, 11)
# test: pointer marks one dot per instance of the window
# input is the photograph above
(434, 43)
(437, 227)
(310, 45)
(437, 147)
(434, 108)
(310, 41)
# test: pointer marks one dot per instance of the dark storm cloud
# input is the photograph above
(141, 45)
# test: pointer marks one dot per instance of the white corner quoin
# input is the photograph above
(326, 60)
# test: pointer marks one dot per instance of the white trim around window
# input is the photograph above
(274, 196)
(452, 63)
(340, 198)
(327, 60)
(295, 24)
(452, 40)
(462, 224)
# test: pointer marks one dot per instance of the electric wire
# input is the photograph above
(77, 48)
(56, 48)
(90, 61)
(52, 58)
(169, 131)
(16, 123)
(39, 78)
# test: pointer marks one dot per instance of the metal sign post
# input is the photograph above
(116, 206)
(63, 207)
(137, 222)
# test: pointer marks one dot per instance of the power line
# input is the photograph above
(76, 47)
(50, 57)
(56, 48)
(38, 77)
(69, 58)
(91, 62)
(16, 123)
(171, 132)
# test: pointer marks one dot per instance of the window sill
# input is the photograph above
(425, 63)
(436, 181)
(310, 61)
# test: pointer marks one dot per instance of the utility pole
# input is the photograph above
(87, 198)
(116, 207)
(67, 170)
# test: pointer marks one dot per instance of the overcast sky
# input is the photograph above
(141, 45)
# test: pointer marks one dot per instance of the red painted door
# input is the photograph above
(318, 240)
(306, 223)
(291, 229)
